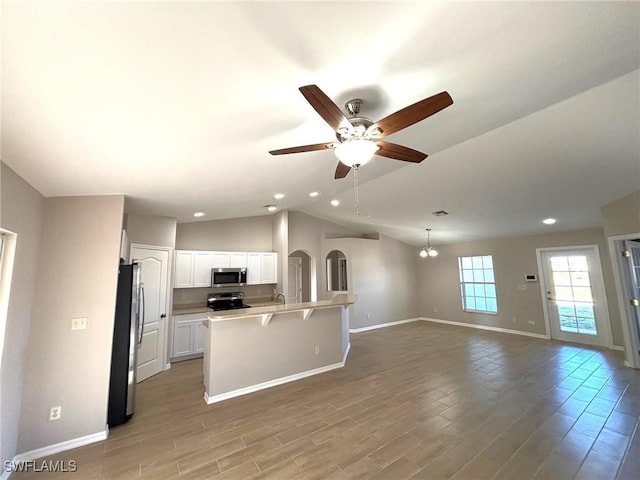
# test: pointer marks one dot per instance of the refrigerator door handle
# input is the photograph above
(141, 313)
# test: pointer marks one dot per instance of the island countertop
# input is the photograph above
(337, 301)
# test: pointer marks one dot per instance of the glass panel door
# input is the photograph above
(575, 296)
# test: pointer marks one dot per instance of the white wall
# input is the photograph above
(77, 277)
(22, 213)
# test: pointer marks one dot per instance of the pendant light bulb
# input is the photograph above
(428, 251)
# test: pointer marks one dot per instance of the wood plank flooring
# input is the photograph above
(415, 401)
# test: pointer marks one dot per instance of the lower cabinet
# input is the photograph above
(188, 336)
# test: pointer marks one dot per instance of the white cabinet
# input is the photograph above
(193, 268)
(188, 335)
(254, 267)
(202, 264)
(262, 268)
(219, 259)
(183, 272)
(238, 259)
(268, 267)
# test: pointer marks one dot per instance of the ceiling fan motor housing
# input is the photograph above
(359, 129)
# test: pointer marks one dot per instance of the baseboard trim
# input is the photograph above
(487, 327)
(383, 325)
(346, 354)
(57, 448)
(617, 348)
(271, 383)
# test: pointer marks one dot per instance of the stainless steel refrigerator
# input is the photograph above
(127, 333)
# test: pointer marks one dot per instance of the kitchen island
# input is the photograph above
(247, 350)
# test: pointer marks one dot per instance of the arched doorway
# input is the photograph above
(336, 271)
(301, 278)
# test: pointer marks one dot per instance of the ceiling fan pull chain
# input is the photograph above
(356, 199)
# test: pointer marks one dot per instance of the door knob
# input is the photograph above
(164, 315)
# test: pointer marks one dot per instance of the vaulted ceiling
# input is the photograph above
(176, 105)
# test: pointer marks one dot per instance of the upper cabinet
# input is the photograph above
(268, 267)
(262, 268)
(237, 259)
(183, 276)
(193, 268)
(202, 265)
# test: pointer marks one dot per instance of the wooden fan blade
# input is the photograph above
(302, 148)
(341, 170)
(325, 107)
(399, 152)
(413, 113)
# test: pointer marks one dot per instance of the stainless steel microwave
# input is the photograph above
(228, 277)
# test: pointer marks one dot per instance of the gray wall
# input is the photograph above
(622, 216)
(383, 274)
(280, 245)
(77, 277)
(439, 281)
(250, 234)
(308, 234)
(22, 213)
(151, 230)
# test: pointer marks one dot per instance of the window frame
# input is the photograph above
(485, 265)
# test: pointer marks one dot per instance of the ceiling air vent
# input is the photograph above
(440, 213)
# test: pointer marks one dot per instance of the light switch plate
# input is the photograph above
(79, 323)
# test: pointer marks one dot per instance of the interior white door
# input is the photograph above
(154, 269)
(294, 293)
(574, 295)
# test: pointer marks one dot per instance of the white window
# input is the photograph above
(477, 284)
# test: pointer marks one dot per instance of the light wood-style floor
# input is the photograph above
(414, 401)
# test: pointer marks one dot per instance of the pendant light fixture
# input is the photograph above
(428, 251)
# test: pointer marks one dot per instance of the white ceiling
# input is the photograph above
(176, 104)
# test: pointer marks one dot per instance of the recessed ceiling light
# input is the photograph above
(314, 194)
(549, 221)
(271, 208)
(199, 214)
(278, 196)
(335, 203)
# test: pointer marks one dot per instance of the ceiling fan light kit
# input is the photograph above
(355, 152)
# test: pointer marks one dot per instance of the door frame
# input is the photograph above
(631, 342)
(168, 300)
(597, 269)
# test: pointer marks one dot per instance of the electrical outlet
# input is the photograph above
(368, 316)
(531, 322)
(435, 309)
(513, 319)
(55, 413)
(317, 350)
(79, 323)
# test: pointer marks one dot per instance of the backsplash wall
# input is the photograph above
(194, 296)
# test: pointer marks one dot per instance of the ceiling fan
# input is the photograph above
(358, 137)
